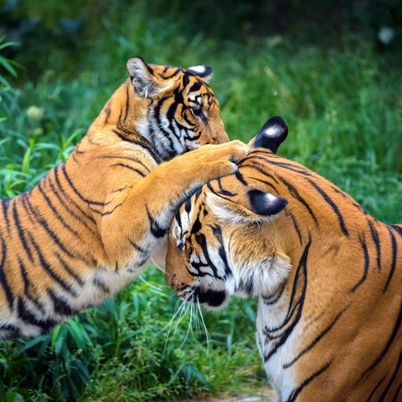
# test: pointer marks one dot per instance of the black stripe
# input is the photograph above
(394, 250)
(52, 235)
(201, 240)
(377, 244)
(177, 71)
(156, 230)
(387, 346)
(137, 247)
(296, 225)
(60, 306)
(127, 158)
(316, 340)
(120, 189)
(260, 168)
(294, 168)
(217, 193)
(68, 269)
(25, 315)
(105, 213)
(240, 177)
(127, 102)
(267, 183)
(224, 191)
(130, 168)
(295, 393)
(366, 263)
(217, 231)
(27, 285)
(195, 87)
(27, 206)
(395, 398)
(293, 191)
(48, 269)
(21, 232)
(4, 206)
(157, 115)
(11, 331)
(297, 307)
(272, 299)
(56, 213)
(375, 388)
(397, 228)
(3, 278)
(143, 144)
(393, 377)
(71, 184)
(71, 201)
(99, 284)
(332, 204)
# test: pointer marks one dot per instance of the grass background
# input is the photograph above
(340, 92)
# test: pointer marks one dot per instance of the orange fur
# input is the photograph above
(84, 232)
(328, 277)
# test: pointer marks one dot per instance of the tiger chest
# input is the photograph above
(275, 354)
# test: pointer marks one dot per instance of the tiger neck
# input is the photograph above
(122, 114)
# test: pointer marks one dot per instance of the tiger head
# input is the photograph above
(223, 240)
(173, 108)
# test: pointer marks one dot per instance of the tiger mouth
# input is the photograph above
(209, 297)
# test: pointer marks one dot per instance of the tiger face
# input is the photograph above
(176, 110)
(223, 240)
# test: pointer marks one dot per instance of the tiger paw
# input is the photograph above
(215, 161)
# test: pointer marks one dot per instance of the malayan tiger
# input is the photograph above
(85, 230)
(328, 276)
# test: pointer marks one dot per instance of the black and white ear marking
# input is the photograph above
(203, 72)
(272, 134)
(265, 204)
(142, 77)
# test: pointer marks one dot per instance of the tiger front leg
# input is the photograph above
(144, 214)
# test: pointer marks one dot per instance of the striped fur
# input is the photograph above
(86, 229)
(327, 274)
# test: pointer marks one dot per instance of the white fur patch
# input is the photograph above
(198, 69)
(273, 131)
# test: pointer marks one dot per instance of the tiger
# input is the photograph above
(327, 275)
(89, 226)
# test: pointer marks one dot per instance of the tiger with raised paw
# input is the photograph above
(328, 276)
(92, 222)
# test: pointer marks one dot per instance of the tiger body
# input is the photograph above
(328, 277)
(91, 223)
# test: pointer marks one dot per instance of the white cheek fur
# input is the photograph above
(266, 275)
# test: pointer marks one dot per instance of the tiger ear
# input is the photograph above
(203, 72)
(272, 134)
(253, 206)
(142, 76)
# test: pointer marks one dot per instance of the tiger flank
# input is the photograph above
(328, 275)
(86, 229)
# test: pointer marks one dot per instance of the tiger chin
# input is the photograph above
(327, 275)
(89, 226)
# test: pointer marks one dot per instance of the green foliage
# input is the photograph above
(344, 111)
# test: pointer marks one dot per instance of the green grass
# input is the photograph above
(344, 111)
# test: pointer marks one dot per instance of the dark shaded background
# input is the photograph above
(70, 26)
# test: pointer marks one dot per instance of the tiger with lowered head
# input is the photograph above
(328, 276)
(86, 229)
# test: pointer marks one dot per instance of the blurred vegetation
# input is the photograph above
(318, 64)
